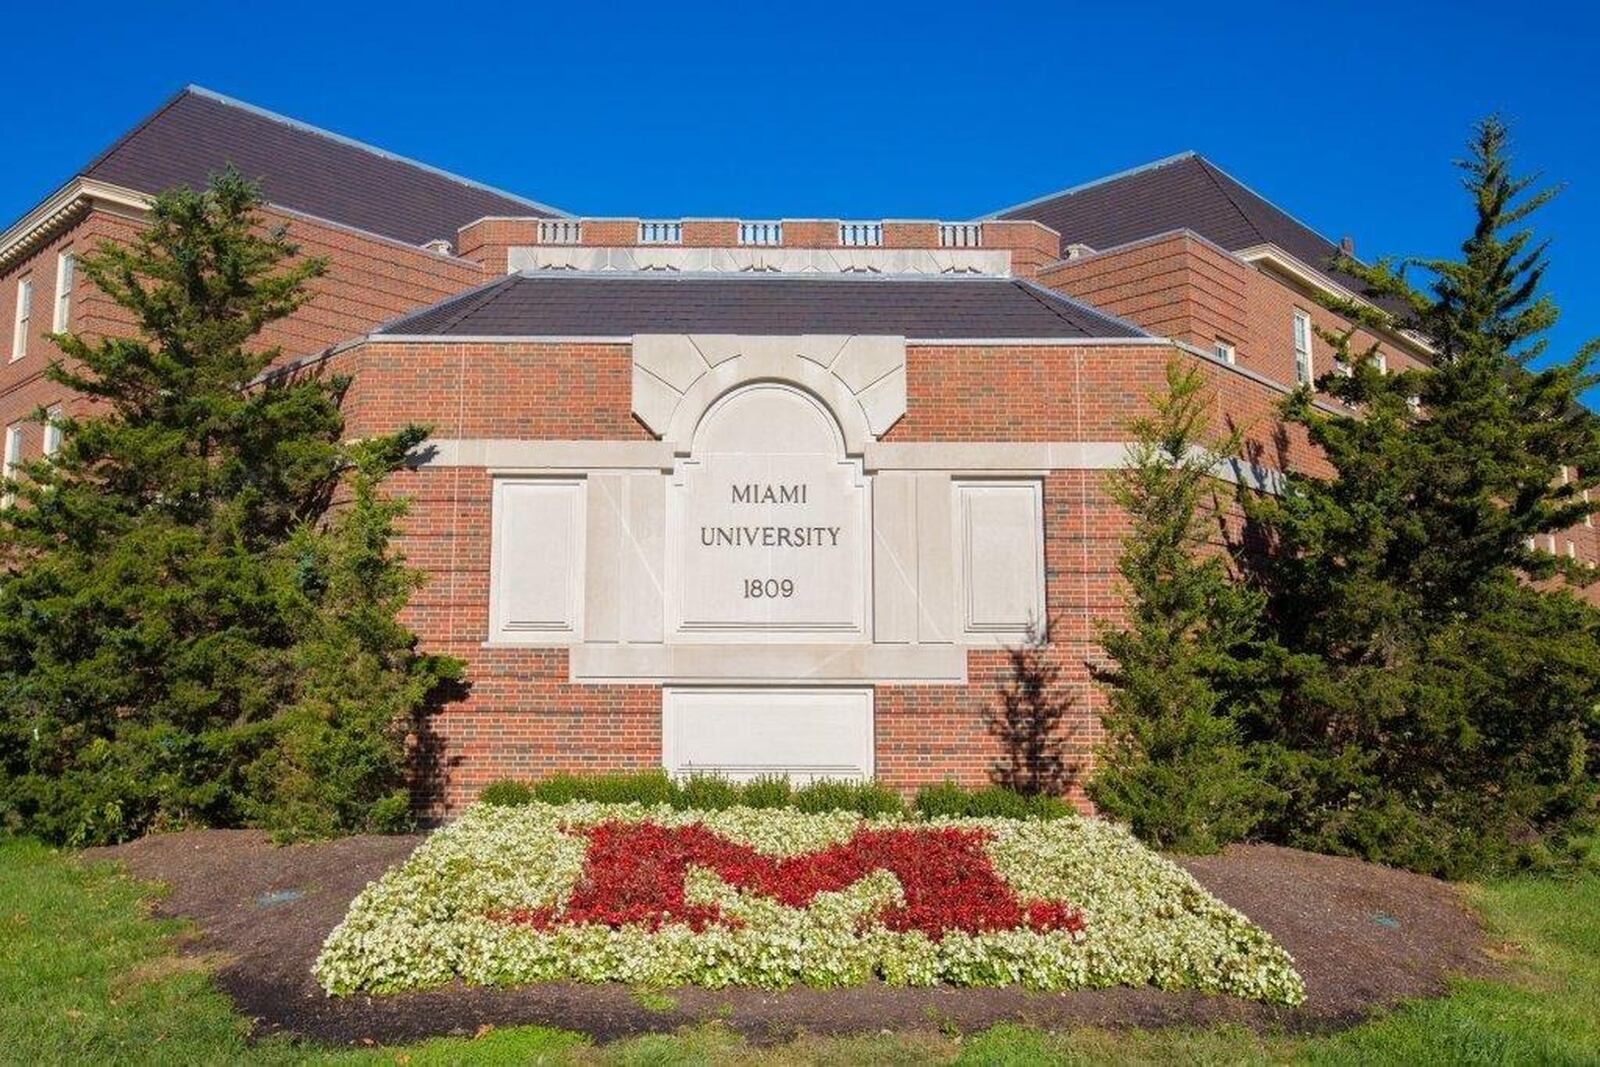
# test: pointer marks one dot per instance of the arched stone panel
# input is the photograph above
(678, 377)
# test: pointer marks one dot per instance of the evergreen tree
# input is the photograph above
(1436, 706)
(341, 759)
(1173, 764)
(154, 593)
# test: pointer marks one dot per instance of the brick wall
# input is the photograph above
(370, 280)
(1182, 286)
(1176, 286)
(522, 716)
(929, 733)
(1079, 393)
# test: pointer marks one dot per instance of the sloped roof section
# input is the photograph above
(1185, 191)
(604, 305)
(299, 167)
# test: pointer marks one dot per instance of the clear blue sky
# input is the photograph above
(1346, 115)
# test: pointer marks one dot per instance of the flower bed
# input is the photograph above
(663, 897)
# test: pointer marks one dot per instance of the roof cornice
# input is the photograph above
(62, 207)
(1296, 269)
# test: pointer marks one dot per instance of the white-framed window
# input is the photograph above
(66, 275)
(19, 332)
(536, 561)
(52, 432)
(13, 456)
(1588, 520)
(1550, 543)
(1381, 361)
(1303, 370)
(1225, 351)
(1572, 550)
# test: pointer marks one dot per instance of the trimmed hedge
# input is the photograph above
(706, 792)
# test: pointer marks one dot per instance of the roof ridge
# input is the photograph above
(1211, 171)
(1273, 204)
(351, 142)
(1071, 190)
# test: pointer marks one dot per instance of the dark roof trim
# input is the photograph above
(621, 303)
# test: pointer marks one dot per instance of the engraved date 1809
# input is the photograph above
(768, 588)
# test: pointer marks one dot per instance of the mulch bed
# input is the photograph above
(1362, 936)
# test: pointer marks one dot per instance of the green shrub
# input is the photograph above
(867, 798)
(507, 793)
(874, 798)
(947, 799)
(709, 792)
(560, 788)
(706, 792)
(766, 791)
(991, 802)
(638, 787)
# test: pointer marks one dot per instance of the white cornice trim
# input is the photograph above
(1302, 272)
(514, 456)
(61, 206)
(1038, 342)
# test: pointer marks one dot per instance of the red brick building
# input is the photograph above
(731, 494)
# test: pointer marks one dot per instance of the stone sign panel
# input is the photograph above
(769, 525)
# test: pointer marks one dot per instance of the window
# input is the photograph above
(52, 432)
(13, 456)
(1225, 352)
(1381, 361)
(66, 274)
(19, 335)
(1588, 520)
(1572, 550)
(1302, 348)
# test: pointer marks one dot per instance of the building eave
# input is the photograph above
(60, 209)
(1288, 266)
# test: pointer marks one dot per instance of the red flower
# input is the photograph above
(634, 875)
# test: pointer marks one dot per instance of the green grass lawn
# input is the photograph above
(86, 976)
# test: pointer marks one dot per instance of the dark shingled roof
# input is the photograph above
(599, 305)
(1184, 192)
(299, 167)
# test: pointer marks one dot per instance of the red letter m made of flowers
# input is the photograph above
(634, 875)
